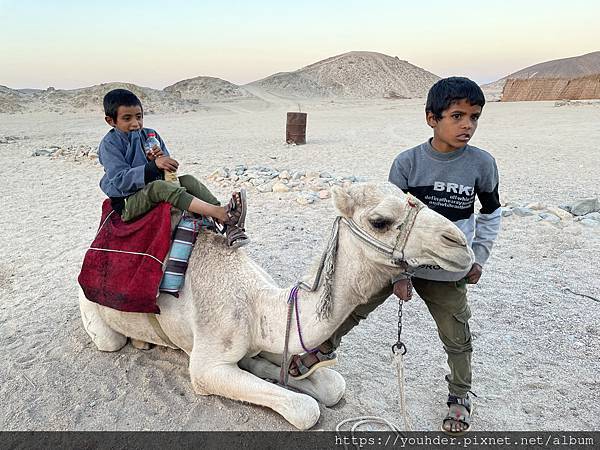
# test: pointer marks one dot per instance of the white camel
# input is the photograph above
(231, 317)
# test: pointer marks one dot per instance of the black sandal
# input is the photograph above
(461, 418)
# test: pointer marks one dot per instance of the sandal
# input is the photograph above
(236, 209)
(458, 416)
(301, 368)
(236, 237)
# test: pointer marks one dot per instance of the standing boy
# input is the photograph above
(446, 174)
(134, 180)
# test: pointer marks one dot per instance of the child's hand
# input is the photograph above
(167, 163)
(154, 153)
(474, 274)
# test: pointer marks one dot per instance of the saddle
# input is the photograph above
(127, 267)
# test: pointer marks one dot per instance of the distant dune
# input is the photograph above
(207, 88)
(352, 74)
(572, 78)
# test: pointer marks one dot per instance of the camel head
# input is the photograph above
(380, 209)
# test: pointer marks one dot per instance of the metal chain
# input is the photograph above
(399, 345)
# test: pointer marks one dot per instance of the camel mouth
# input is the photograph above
(461, 261)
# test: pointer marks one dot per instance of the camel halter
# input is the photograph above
(327, 262)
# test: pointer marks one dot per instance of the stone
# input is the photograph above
(312, 174)
(593, 216)
(585, 206)
(506, 212)
(325, 175)
(284, 175)
(214, 174)
(536, 206)
(257, 181)
(323, 194)
(297, 175)
(561, 213)
(522, 211)
(590, 223)
(549, 217)
(223, 172)
(267, 187)
(280, 187)
(305, 199)
(43, 152)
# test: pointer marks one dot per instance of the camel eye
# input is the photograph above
(380, 223)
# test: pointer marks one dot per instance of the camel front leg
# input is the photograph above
(228, 380)
(325, 385)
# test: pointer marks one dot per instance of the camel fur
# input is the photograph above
(231, 316)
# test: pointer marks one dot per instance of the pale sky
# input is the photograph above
(69, 44)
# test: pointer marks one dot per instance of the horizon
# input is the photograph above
(68, 45)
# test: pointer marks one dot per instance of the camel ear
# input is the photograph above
(343, 201)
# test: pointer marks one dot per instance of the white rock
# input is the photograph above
(305, 200)
(285, 175)
(590, 223)
(564, 215)
(323, 194)
(280, 187)
(537, 206)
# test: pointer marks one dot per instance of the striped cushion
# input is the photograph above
(181, 249)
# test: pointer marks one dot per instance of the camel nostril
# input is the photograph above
(451, 240)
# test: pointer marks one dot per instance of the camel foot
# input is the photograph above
(141, 345)
(232, 382)
(325, 385)
(105, 338)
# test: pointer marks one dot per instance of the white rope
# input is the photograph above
(398, 359)
(130, 253)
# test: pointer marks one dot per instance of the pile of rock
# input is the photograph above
(310, 185)
(10, 139)
(71, 152)
(585, 211)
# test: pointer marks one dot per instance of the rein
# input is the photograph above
(327, 263)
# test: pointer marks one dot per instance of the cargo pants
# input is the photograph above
(162, 191)
(447, 304)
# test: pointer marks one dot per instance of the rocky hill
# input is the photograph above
(352, 74)
(572, 78)
(207, 88)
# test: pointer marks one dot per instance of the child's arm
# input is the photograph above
(398, 173)
(122, 176)
(489, 218)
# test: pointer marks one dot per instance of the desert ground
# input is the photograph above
(536, 344)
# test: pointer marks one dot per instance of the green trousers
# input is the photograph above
(158, 191)
(447, 304)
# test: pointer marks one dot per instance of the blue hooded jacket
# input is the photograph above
(126, 168)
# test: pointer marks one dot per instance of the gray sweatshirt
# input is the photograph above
(448, 183)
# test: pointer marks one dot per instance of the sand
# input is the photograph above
(536, 345)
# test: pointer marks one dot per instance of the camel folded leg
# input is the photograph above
(228, 380)
(325, 385)
(105, 338)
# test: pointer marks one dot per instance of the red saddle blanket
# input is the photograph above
(123, 267)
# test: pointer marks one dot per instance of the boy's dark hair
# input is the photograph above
(119, 97)
(449, 90)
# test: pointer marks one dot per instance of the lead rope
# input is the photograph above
(398, 352)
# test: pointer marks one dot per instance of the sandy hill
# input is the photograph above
(87, 99)
(352, 74)
(207, 88)
(90, 98)
(577, 77)
(11, 100)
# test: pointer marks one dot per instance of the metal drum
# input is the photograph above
(295, 129)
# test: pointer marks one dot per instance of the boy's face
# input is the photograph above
(129, 118)
(456, 127)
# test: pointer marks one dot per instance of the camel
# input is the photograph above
(231, 316)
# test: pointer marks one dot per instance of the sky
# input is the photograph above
(69, 44)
